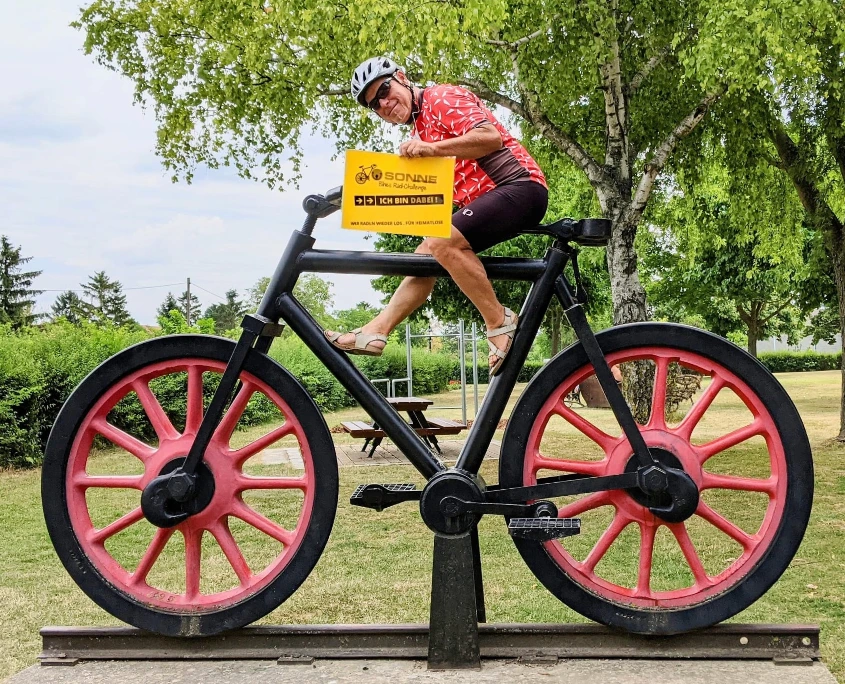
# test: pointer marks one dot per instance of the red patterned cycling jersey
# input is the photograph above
(448, 111)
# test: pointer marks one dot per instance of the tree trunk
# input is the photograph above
(555, 333)
(629, 306)
(837, 253)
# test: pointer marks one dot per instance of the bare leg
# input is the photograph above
(456, 256)
(409, 296)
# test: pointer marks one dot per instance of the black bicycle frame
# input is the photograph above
(547, 278)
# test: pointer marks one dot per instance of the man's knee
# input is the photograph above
(443, 249)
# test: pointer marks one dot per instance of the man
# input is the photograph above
(499, 189)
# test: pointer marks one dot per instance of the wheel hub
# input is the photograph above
(164, 509)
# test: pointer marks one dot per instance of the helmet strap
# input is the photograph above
(416, 104)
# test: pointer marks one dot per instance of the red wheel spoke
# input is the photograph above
(587, 503)
(647, 532)
(232, 551)
(158, 418)
(193, 416)
(193, 562)
(710, 449)
(723, 524)
(688, 549)
(244, 482)
(122, 439)
(265, 525)
(744, 484)
(151, 555)
(604, 440)
(109, 481)
(262, 443)
(118, 525)
(233, 414)
(699, 408)
(610, 535)
(657, 420)
(570, 466)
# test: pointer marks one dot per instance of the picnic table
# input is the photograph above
(427, 428)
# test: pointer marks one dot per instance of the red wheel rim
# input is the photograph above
(637, 591)
(213, 522)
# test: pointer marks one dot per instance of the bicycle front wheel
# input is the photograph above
(263, 516)
(740, 439)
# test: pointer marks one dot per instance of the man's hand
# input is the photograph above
(416, 148)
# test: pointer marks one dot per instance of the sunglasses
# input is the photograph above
(381, 93)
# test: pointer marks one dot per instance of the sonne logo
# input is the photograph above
(412, 177)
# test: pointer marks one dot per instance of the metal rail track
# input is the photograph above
(529, 642)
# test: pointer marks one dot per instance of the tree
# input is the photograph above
(358, 315)
(68, 305)
(191, 311)
(106, 301)
(16, 297)
(614, 85)
(315, 294)
(256, 293)
(169, 304)
(711, 254)
(228, 314)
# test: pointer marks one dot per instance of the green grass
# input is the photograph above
(376, 567)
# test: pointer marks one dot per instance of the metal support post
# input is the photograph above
(453, 622)
(463, 365)
(475, 366)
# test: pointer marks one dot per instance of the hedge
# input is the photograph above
(791, 361)
(39, 368)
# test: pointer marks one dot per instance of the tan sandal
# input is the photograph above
(363, 344)
(508, 328)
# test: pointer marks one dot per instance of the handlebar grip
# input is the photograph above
(334, 195)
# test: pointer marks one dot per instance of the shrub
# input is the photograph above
(22, 388)
(791, 361)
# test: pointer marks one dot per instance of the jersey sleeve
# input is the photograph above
(456, 111)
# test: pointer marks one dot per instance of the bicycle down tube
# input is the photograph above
(283, 304)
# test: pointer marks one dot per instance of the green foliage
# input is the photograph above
(174, 323)
(189, 307)
(791, 362)
(708, 256)
(315, 294)
(169, 304)
(106, 303)
(22, 406)
(16, 297)
(70, 307)
(227, 314)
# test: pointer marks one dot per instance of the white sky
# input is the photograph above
(82, 191)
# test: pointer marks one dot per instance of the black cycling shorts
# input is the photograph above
(501, 213)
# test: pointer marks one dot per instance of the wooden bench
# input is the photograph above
(427, 428)
(358, 428)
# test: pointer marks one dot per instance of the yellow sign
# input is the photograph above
(385, 193)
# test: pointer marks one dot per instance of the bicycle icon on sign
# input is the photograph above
(366, 173)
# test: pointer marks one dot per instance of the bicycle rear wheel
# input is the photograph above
(265, 516)
(743, 444)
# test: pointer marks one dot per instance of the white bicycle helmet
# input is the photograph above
(369, 71)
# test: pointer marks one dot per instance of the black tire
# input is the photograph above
(787, 492)
(112, 586)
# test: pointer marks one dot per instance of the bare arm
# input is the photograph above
(477, 142)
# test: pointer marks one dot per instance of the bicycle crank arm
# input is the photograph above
(566, 485)
(452, 506)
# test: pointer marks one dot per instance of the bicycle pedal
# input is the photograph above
(543, 529)
(380, 496)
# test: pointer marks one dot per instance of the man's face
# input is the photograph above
(395, 102)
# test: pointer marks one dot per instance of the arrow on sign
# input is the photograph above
(359, 201)
(370, 199)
